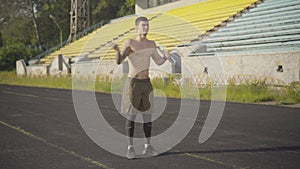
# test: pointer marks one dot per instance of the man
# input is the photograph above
(139, 90)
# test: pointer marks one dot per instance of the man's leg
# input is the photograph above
(148, 150)
(129, 126)
(147, 126)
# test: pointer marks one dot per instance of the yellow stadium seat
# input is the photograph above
(177, 26)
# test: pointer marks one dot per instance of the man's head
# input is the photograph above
(142, 25)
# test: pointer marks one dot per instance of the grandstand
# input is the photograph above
(243, 31)
(273, 26)
(177, 26)
(88, 44)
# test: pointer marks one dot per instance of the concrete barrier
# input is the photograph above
(109, 69)
(37, 70)
(21, 68)
(284, 67)
(59, 66)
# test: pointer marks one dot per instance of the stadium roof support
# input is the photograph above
(79, 17)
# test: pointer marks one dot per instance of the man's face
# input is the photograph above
(143, 27)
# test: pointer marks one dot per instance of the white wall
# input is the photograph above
(37, 70)
(92, 69)
(256, 65)
(21, 67)
(105, 69)
(54, 67)
(232, 66)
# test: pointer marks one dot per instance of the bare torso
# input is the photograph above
(139, 51)
(139, 59)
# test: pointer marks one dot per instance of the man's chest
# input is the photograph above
(139, 47)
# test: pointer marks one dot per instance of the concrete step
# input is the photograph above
(267, 19)
(261, 25)
(272, 15)
(270, 6)
(261, 34)
(255, 31)
(267, 12)
(255, 46)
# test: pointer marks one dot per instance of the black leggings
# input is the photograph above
(146, 127)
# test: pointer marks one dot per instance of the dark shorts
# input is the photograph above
(137, 96)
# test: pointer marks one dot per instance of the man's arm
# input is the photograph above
(121, 55)
(157, 58)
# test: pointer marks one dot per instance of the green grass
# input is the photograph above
(249, 93)
(291, 94)
(53, 82)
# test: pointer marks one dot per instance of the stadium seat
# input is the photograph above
(272, 26)
(175, 27)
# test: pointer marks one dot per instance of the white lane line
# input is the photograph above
(70, 152)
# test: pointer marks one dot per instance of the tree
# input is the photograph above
(18, 31)
(31, 18)
(25, 24)
(11, 53)
(107, 9)
(21, 9)
(30, 8)
(50, 33)
(7, 12)
(127, 8)
(1, 40)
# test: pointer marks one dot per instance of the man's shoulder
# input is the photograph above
(151, 42)
(129, 41)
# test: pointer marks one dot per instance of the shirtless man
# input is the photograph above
(139, 89)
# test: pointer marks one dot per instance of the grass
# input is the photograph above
(248, 93)
(251, 93)
(52, 82)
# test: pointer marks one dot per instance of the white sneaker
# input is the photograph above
(150, 151)
(131, 153)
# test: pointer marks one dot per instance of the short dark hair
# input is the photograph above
(139, 19)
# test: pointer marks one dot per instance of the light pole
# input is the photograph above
(60, 30)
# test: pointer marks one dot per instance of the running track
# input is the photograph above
(40, 130)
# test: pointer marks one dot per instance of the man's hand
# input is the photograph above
(167, 55)
(115, 47)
